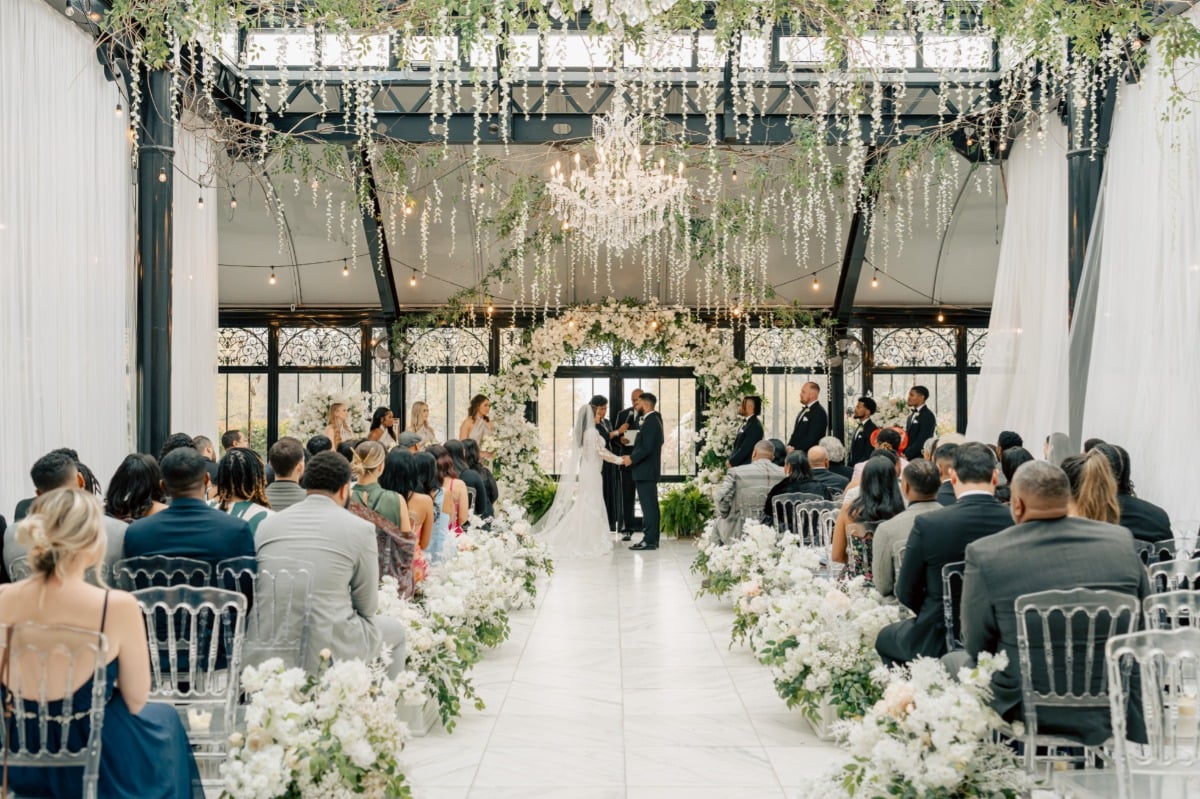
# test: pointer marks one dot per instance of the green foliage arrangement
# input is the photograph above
(685, 511)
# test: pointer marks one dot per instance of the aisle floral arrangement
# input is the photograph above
(929, 735)
(336, 733)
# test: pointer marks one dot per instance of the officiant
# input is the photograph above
(628, 420)
(610, 472)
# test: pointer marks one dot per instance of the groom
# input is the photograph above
(646, 463)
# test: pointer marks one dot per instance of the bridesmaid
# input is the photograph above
(418, 422)
(477, 425)
(338, 430)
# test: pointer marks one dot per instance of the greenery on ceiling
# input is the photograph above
(797, 196)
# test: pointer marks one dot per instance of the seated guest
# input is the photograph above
(369, 457)
(1093, 488)
(877, 499)
(1006, 441)
(818, 461)
(750, 433)
(475, 461)
(204, 446)
(145, 750)
(451, 501)
(919, 484)
(414, 478)
(938, 538)
(383, 427)
(798, 479)
(241, 487)
(1046, 550)
(837, 456)
(346, 450)
(189, 527)
(318, 444)
(744, 491)
(58, 470)
(286, 457)
(888, 439)
(409, 441)
(174, 441)
(1147, 521)
(135, 490)
(473, 479)
(944, 458)
(23, 506)
(780, 452)
(346, 584)
(234, 439)
(1011, 460)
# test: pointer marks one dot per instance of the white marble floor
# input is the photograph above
(621, 685)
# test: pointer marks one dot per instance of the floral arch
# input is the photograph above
(671, 333)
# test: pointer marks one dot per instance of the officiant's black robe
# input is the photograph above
(611, 473)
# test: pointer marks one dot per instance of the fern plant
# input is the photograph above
(685, 511)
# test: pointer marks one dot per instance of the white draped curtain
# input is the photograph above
(194, 287)
(1143, 376)
(66, 202)
(1023, 379)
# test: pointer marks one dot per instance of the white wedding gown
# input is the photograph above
(577, 526)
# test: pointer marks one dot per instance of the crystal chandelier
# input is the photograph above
(620, 200)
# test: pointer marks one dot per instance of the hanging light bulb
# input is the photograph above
(412, 281)
(490, 307)
(162, 174)
(816, 284)
(482, 188)
(734, 176)
(94, 16)
(316, 184)
(272, 278)
(200, 203)
(232, 201)
(875, 280)
(941, 317)
(345, 268)
(119, 111)
(70, 10)
(566, 225)
(654, 324)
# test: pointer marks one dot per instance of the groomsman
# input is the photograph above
(861, 447)
(750, 434)
(628, 419)
(811, 423)
(922, 424)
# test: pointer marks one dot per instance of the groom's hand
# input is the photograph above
(626, 460)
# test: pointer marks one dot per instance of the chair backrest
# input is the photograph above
(952, 588)
(1163, 667)
(860, 547)
(898, 558)
(160, 571)
(19, 569)
(1175, 575)
(49, 669)
(1182, 548)
(471, 492)
(1060, 642)
(280, 612)
(1172, 609)
(810, 516)
(783, 510)
(189, 662)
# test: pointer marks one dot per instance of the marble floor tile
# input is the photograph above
(551, 766)
(699, 765)
(730, 729)
(794, 765)
(516, 731)
(699, 792)
(441, 764)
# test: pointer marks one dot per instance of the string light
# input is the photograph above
(875, 280)
(316, 184)
(272, 278)
(734, 176)
(654, 324)
(345, 268)
(412, 281)
(162, 174)
(481, 187)
(200, 203)
(816, 284)
(70, 10)
(566, 225)
(119, 111)
(941, 317)
(232, 202)
(94, 16)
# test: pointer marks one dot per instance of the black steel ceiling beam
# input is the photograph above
(853, 257)
(377, 244)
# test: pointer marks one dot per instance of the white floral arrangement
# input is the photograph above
(928, 736)
(310, 416)
(316, 736)
(670, 332)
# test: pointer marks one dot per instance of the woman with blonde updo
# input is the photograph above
(418, 422)
(145, 751)
(367, 465)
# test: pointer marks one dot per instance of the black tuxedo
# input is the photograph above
(610, 472)
(920, 428)
(861, 447)
(626, 521)
(646, 468)
(937, 538)
(743, 446)
(945, 494)
(811, 425)
(1145, 520)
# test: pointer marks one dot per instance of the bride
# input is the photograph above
(576, 526)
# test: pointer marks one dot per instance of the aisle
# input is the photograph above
(620, 685)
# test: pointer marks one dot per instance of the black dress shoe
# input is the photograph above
(626, 536)
(642, 545)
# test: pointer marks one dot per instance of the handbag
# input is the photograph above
(397, 551)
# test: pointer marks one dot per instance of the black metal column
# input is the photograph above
(154, 261)
(1085, 168)
(837, 386)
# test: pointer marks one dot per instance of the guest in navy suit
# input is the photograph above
(189, 528)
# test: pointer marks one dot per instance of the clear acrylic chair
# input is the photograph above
(160, 571)
(191, 665)
(952, 588)
(471, 492)
(809, 514)
(279, 607)
(1171, 610)
(19, 569)
(1159, 670)
(56, 684)
(1060, 642)
(783, 511)
(1185, 547)
(1175, 575)
(898, 551)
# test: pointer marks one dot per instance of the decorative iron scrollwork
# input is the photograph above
(797, 348)
(929, 347)
(242, 346)
(320, 346)
(434, 347)
(976, 345)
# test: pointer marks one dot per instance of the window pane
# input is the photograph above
(448, 397)
(268, 49)
(943, 393)
(558, 399)
(320, 346)
(294, 388)
(381, 368)
(242, 405)
(242, 346)
(677, 404)
(797, 348)
(915, 346)
(431, 347)
(781, 400)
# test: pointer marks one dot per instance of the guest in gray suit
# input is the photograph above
(1046, 550)
(286, 457)
(343, 550)
(919, 484)
(744, 491)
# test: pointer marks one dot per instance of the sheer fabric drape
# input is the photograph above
(1143, 379)
(1023, 379)
(194, 287)
(65, 251)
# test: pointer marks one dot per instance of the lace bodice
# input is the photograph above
(594, 450)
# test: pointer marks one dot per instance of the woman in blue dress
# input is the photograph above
(144, 749)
